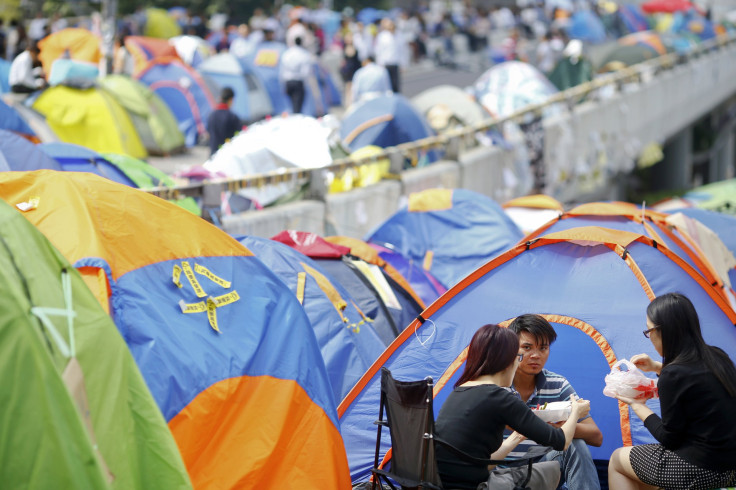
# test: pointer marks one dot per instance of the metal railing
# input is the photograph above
(451, 141)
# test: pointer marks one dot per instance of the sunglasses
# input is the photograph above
(647, 332)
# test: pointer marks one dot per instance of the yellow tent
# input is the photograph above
(80, 44)
(160, 24)
(89, 117)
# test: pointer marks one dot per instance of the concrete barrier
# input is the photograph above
(443, 174)
(489, 171)
(356, 212)
(301, 215)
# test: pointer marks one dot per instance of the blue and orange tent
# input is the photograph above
(347, 340)
(721, 224)
(223, 345)
(184, 91)
(593, 284)
(450, 232)
(12, 121)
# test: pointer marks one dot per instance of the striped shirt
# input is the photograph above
(550, 387)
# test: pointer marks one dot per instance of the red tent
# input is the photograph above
(668, 6)
(311, 245)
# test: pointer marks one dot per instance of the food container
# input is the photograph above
(555, 412)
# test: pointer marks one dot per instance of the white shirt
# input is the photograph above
(387, 49)
(21, 72)
(35, 28)
(370, 79)
(296, 64)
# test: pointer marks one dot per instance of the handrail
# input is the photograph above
(409, 150)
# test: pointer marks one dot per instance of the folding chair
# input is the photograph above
(410, 420)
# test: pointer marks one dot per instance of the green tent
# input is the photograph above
(146, 176)
(567, 74)
(153, 120)
(76, 412)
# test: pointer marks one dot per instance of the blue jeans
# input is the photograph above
(576, 464)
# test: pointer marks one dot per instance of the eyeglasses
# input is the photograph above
(521, 357)
(647, 332)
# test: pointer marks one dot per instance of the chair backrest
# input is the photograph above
(410, 420)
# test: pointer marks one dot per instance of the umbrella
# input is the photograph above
(667, 6)
(510, 86)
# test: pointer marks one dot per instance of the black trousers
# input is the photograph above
(295, 91)
(22, 89)
(393, 74)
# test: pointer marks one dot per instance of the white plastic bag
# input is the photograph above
(629, 382)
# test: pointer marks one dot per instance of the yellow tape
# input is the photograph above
(176, 275)
(225, 299)
(301, 281)
(212, 314)
(200, 269)
(192, 307)
(193, 280)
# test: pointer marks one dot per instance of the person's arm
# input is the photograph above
(508, 445)
(588, 431)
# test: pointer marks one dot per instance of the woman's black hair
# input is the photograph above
(492, 349)
(682, 340)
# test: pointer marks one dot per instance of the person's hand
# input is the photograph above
(516, 438)
(580, 407)
(630, 401)
(557, 424)
(646, 363)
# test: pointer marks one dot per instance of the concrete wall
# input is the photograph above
(302, 216)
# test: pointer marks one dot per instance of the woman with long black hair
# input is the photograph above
(479, 408)
(697, 392)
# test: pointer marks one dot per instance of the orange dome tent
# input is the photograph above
(80, 44)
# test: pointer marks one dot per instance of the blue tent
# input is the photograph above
(450, 232)
(184, 91)
(21, 154)
(384, 121)
(76, 158)
(251, 102)
(348, 343)
(4, 72)
(633, 18)
(593, 284)
(586, 26)
(265, 61)
(11, 120)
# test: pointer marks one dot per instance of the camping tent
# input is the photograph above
(76, 158)
(154, 122)
(10, 120)
(348, 342)
(76, 410)
(184, 91)
(716, 196)
(450, 232)
(40, 129)
(229, 356)
(383, 121)
(586, 26)
(265, 60)
(531, 212)
(510, 86)
(144, 49)
(592, 283)
(89, 117)
(251, 102)
(377, 295)
(441, 104)
(72, 42)
(20, 154)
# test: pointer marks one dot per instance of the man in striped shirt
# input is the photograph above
(537, 386)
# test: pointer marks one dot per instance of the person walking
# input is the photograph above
(388, 52)
(295, 71)
(350, 64)
(222, 123)
(370, 80)
(697, 397)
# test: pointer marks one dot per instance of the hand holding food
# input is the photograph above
(646, 363)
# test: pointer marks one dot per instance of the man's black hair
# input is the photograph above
(226, 94)
(535, 325)
(298, 41)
